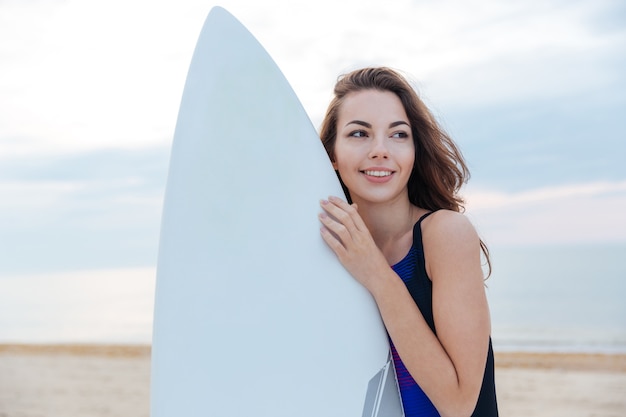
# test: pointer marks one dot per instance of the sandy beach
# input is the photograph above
(106, 381)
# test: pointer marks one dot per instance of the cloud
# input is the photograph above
(498, 200)
(77, 76)
(570, 214)
(89, 97)
(80, 76)
(465, 54)
(97, 209)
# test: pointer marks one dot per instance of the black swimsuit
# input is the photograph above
(412, 270)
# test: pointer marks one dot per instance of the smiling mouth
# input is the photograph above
(378, 173)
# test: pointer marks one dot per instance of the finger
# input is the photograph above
(358, 220)
(336, 227)
(333, 242)
(340, 220)
(335, 206)
(339, 202)
(351, 210)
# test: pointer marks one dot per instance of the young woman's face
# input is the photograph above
(374, 150)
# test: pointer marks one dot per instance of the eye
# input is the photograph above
(400, 135)
(358, 134)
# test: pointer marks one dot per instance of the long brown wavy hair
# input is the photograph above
(439, 170)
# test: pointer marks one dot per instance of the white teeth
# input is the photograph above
(378, 173)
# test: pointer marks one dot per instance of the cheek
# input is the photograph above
(344, 168)
(411, 162)
(405, 156)
(411, 157)
(339, 166)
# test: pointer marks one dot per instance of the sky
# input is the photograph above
(534, 93)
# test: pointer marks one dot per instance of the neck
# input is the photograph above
(391, 225)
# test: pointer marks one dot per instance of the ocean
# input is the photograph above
(542, 298)
(559, 298)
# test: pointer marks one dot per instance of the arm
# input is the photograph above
(449, 367)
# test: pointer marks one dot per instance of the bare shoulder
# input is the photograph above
(448, 226)
(451, 247)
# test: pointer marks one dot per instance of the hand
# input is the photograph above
(347, 235)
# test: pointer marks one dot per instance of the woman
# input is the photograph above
(401, 174)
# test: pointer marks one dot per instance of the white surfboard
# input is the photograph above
(254, 315)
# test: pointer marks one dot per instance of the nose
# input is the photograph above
(379, 148)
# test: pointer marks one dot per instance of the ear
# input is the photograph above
(334, 165)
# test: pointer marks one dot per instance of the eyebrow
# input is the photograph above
(369, 126)
(360, 123)
(398, 123)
